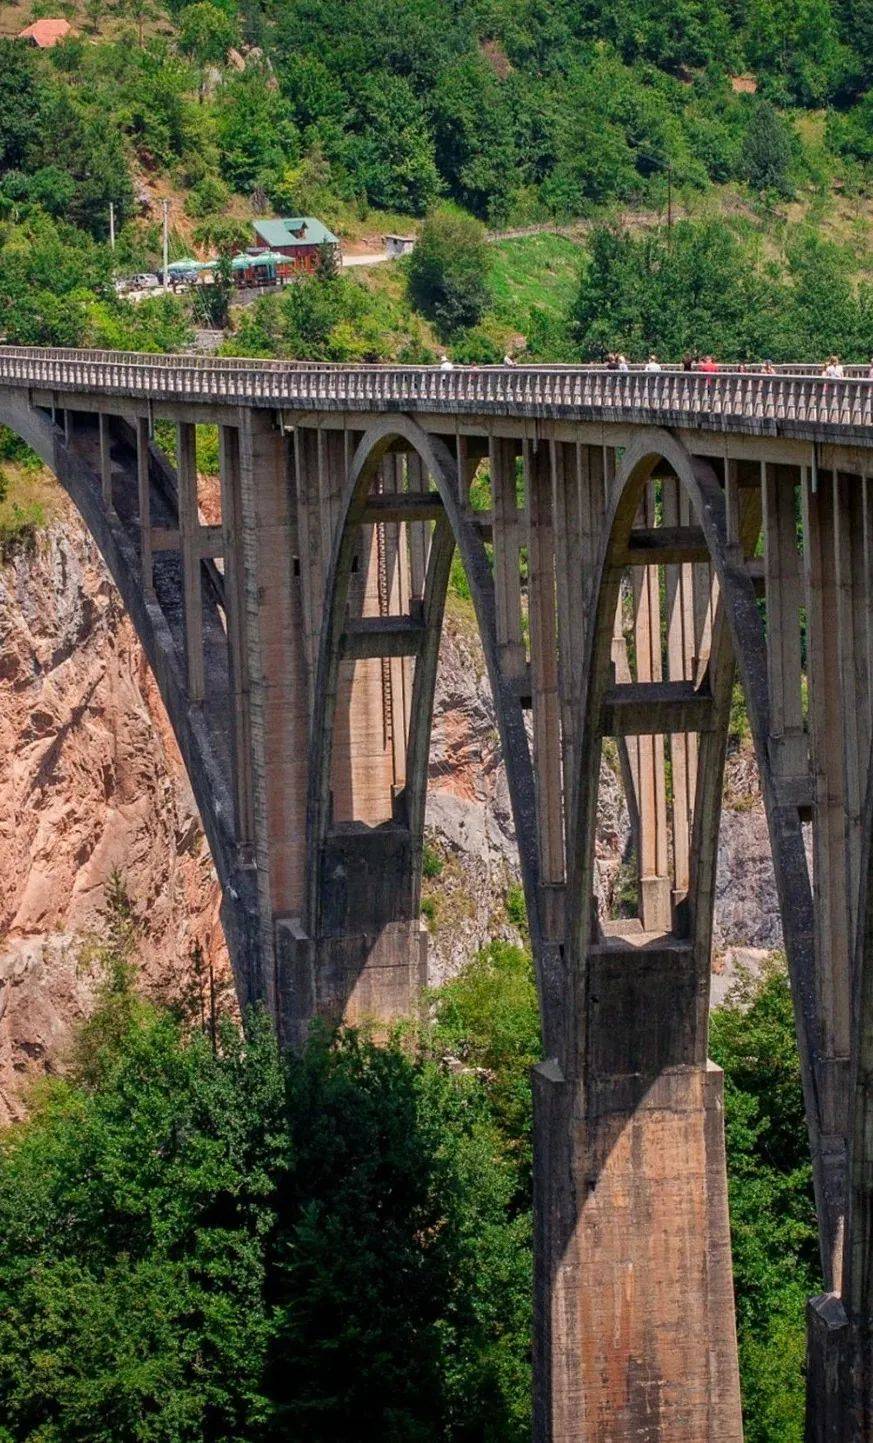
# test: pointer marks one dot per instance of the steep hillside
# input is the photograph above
(369, 114)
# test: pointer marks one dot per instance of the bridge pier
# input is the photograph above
(634, 1320)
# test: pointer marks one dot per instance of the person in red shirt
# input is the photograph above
(709, 366)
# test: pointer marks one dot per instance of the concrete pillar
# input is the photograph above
(356, 951)
(634, 1320)
(275, 673)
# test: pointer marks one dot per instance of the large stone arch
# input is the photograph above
(454, 525)
(743, 639)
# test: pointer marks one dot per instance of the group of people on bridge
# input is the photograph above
(833, 367)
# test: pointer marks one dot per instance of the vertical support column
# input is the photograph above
(418, 533)
(145, 505)
(544, 662)
(105, 459)
(784, 598)
(850, 588)
(192, 584)
(507, 582)
(634, 1332)
(840, 1327)
(570, 590)
(647, 752)
(278, 701)
(832, 954)
(234, 593)
(399, 604)
(311, 558)
(679, 595)
(867, 568)
(589, 474)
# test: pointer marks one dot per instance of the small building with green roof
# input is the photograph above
(298, 237)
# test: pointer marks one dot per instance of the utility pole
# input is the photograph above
(112, 224)
(166, 205)
(669, 206)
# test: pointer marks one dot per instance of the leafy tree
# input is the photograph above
(179, 1222)
(94, 11)
(206, 33)
(222, 235)
(93, 155)
(392, 151)
(795, 46)
(774, 1235)
(207, 197)
(256, 135)
(488, 1019)
(213, 302)
(767, 150)
(134, 1205)
(139, 11)
(473, 133)
(701, 291)
(447, 270)
(20, 106)
(154, 108)
(307, 187)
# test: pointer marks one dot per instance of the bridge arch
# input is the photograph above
(738, 636)
(454, 525)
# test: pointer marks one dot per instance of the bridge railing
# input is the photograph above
(735, 396)
(169, 361)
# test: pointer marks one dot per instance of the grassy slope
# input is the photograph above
(536, 270)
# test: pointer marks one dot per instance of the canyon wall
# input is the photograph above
(92, 783)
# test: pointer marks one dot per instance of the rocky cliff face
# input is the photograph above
(92, 782)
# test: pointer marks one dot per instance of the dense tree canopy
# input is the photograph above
(706, 288)
(200, 1240)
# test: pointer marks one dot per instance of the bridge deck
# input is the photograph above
(791, 403)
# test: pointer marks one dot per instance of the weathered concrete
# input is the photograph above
(295, 646)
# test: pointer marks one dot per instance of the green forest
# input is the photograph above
(203, 1240)
(752, 119)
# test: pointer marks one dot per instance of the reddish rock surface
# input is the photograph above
(91, 782)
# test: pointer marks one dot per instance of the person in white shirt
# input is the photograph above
(508, 360)
(446, 364)
(622, 364)
(652, 364)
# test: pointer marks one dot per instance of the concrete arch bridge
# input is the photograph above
(650, 537)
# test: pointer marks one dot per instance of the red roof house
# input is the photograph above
(46, 33)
